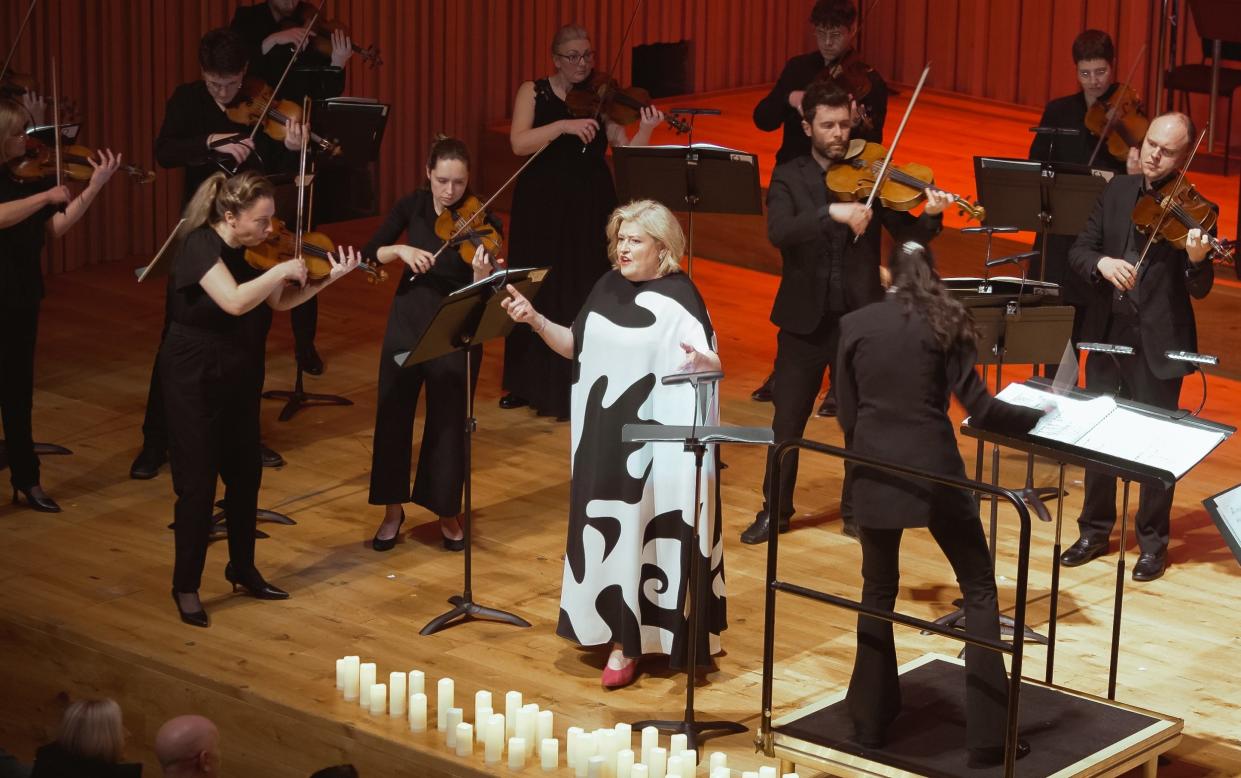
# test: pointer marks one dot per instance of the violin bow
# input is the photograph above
(20, 31)
(1111, 113)
(1166, 206)
(301, 184)
(887, 161)
(56, 123)
(615, 62)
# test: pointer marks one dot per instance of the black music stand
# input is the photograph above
(694, 439)
(357, 125)
(466, 318)
(697, 178)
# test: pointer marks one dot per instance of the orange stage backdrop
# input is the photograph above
(453, 65)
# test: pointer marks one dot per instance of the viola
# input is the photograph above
(247, 108)
(1118, 120)
(39, 162)
(1186, 210)
(601, 95)
(853, 178)
(323, 29)
(852, 75)
(280, 246)
(465, 227)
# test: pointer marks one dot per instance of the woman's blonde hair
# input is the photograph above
(219, 195)
(13, 116)
(93, 729)
(570, 32)
(655, 220)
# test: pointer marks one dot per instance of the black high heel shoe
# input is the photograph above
(386, 544)
(42, 504)
(196, 618)
(453, 544)
(254, 584)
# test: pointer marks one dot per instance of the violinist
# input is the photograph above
(211, 365)
(197, 130)
(826, 273)
(1148, 309)
(441, 469)
(561, 204)
(271, 30)
(29, 213)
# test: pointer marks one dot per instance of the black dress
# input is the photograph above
(441, 466)
(561, 205)
(54, 761)
(211, 370)
(21, 290)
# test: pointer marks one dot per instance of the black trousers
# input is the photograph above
(211, 392)
(874, 696)
(19, 329)
(1129, 377)
(441, 459)
(800, 363)
(305, 322)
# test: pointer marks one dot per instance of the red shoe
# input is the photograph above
(614, 678)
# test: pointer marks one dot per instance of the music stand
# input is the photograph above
(466, 318)
(697, 178)
(694, 439)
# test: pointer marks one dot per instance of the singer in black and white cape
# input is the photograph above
(630, 535)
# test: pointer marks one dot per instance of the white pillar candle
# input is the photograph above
(624, 763)
(718, 759)
(767, 771)
(650, 739)
(624, 737)
(658, 763)
(352, 678)
(396, 694)
(721, 772)
(532, 741)
(481, 717)
(689, 763)
(418, 712)
(640, 771)
(749, 774)
(549, 753)
(570, 754)
(594, 766)
(493, 738)
(417, 682)
(366, 679)
(482, 700)
(606, 742)
(678, 743)
(465, 739)
(525, 726)
(451, 720)
(673, 769)
(516, 753)
(512, 704)
(340, 674)
(443, 701)
(790, 775)
(543, 725)
(378, 699)
(585, 750)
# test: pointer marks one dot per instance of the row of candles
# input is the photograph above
(603, 753)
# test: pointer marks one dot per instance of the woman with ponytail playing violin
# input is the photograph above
(211, 370)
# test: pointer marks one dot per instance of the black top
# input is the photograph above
(774, 109)
(189, 304)
(190, 116)
(53, 761)
(1069, 112)
(21, 246)
(254, 23)
(893, 386)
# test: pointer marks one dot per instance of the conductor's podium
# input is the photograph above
(1070, 733)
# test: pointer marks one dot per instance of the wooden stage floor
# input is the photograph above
(83, 608)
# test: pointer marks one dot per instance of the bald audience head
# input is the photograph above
(188, 746)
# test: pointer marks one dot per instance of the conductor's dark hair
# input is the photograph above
(444, 147)
(223, 51)
(919, 288)
(823, 92)
(1093, 44)
(336, 771)
(833, 13)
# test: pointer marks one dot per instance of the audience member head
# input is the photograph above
(336, 771)
(188, 746)
(93, 729)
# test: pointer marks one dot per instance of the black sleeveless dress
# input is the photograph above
(561, 204)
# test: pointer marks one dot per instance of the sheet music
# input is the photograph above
(1228, 505)
(1068, 420)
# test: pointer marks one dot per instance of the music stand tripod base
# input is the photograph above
(299, 398)
(465, 608)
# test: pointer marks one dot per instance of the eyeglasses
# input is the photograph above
(831, 34)
(1097, 73)
(223, 86)
(574, 58)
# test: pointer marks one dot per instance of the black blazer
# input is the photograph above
(798, 225)
(1165, 281)
(893, 385)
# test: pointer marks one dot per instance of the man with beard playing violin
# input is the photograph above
(830, 254)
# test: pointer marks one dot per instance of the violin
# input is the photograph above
(1118, 120)
(465, 227)
(247, 108)
(323, 29)
(853, 178)
(39, 162)
(280, 246)
(601, 95)
(852, 75)
(1186, 210)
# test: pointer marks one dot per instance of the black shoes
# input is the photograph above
(270, 458)
(1083, 551)
(452, 544)
(196, 618)
(310, 361)
(254, 584)
(990, 757)
(827, 408)
(848, 527)
(763, 393)
(147, 464)
(387, 544)
(1150, 566)
(757, 532)
(41, 503)
(511, 401)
